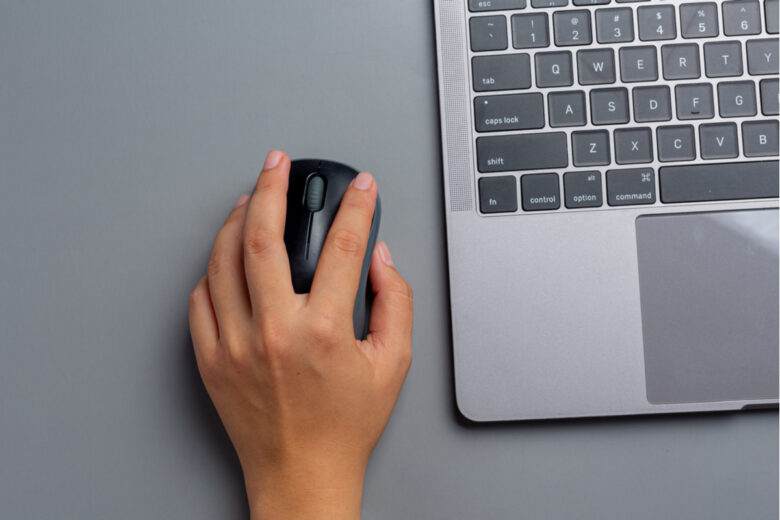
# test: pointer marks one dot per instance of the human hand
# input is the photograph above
(302, 400)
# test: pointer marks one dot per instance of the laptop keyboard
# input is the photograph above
(623, 103)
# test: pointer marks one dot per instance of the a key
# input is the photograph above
(652, 104)
(718, 141)
(540, 191)
(762, 56)
(630, 187)
(694, 101)
(722, 59)
(495, 5)
(508, 112)
(737, 99)
(553, 69)
(501, 72)
(676, 143)
(614, 25)
(769, 97)
(590, 148)
(549, 3)
(530, 31)
(498, 194)
(771, 14)
(609, 106)
(703, 182)
(595, 67)
(638, 64)
(633, 145)
(591, 2)
(536, 151)
(760, 138)
(488, 33)
(566, 108)
(681, 61)
(699, 20)
(582, 189)
(656, 23)
(572, 28)
(741, 17)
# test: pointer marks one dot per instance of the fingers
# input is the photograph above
(203, 322)
(265, 255)
(338, 271)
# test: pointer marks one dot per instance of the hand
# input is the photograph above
(302, 400)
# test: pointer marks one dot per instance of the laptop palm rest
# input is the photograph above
(709, 296)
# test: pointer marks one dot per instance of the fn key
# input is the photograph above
(498, 194)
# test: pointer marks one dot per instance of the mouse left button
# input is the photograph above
(315, 193)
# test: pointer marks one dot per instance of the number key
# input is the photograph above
(699, 20)
(530, 30)
(741, 17)
(572, 28)
(656, 23)
(614, 25)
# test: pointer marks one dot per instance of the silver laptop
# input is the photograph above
(611, 186)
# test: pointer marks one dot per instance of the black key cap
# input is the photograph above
(614, 25)
(760, 138)
(699, 20)
(741, 17)
(502, 153)
(681, 61)
(572, 28)
(566, 108)
(772, 13)
(590, 148)
(609, 106)
(652, 104)
(638, 64)
(737, 98)
(508, 112)
(718, 141)
(596, 67)
(722, 59)
(582, 189)
(694, 101)
(591, 2)
(553, 69)
(549, 3)
(540, 191)
(770, 91)
(630, 187)
(488, 33)
(656, 23)
(702, 182)
(633, 145)
(498, 194)
(501, 72)
(762, 56)
(530, 31)
(495, 5)
(676, 143)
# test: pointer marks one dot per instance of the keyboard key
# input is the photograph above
(609, 106)
(582, 189)
(501, 72)
(656, 23)
(495, 5)
(770, 92)
(737, 99)
(530, 31)
(553, 69)
(566, 108)
(508, 112)
(595, 67)
(614, 25)
(638, 64)
(762, 56)
(702, 182)
(572, 28)
(676, 143)
(590, 148)
(772, 15)
(722, 59)
(681, 61)
(633, 145)
(540, 191)
(718, 141)
(537, 151)
(488, 33)
(652, 104)
(741, 17)
(699, 20)
(630, 187)
(498, 194)
(760, 139)
(694, 101)
(591, 2)
(549, 3)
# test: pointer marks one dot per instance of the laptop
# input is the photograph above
(611, 198)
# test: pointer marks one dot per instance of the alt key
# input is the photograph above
(582, 189)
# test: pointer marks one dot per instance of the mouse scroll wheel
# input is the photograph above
(315, 193)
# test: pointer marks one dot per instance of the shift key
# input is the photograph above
(508, 112)
(503, 153)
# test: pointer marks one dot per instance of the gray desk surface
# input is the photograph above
(127, 129)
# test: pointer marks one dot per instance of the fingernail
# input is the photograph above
(273, 158)
(363, 181)
(384, 253)
(241, 200)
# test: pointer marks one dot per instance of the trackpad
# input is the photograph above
(709, 293)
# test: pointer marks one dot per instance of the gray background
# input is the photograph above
(127, 129)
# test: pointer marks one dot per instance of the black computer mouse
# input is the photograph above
(313, 198)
